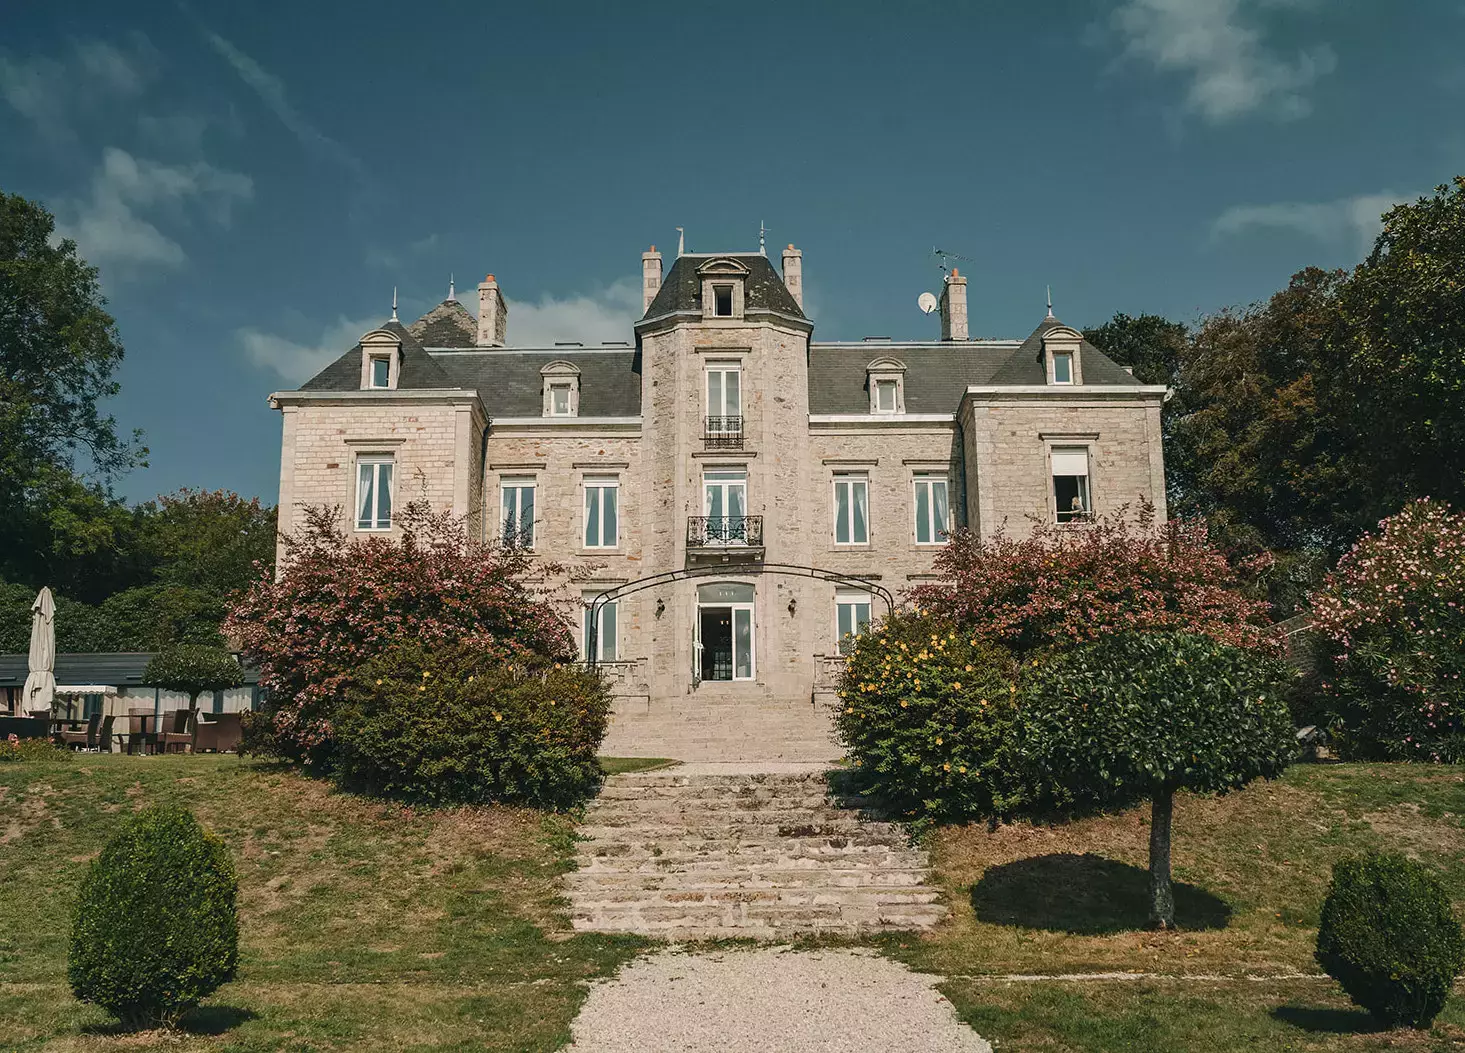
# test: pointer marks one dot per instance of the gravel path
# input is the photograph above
(770, 1000)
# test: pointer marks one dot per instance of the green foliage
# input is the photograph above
(14, 750)
(1139, 714)
(1151, 345)
(453, 723)
(1390, 939)
(926, 715)
(193, 668)
(211, 541)
(156, 929)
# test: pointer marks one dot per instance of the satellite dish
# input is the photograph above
(927, 302)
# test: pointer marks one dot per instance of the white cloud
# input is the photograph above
(1218, 46)
(1351, 221)
(52, 92)
(114, 226)
(296, 362)
(590, 318)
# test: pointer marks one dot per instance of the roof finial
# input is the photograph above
(394, 303)
(452, 291)
(762, 234)
(681, 241)
(1050, 301)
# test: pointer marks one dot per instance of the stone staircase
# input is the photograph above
(709, 851)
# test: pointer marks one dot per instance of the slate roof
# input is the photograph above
(1026, 367)
(510, 384)
(763, 289)
(114, 669)
(418, 370)
(447, 325)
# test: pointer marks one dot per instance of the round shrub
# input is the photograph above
(1388, 936)
(457, 724)
(925, 715)
(156, 929)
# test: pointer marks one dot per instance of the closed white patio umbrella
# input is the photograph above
(40, 683)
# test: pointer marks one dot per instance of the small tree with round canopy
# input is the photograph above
(1138, 716)
(193, 669)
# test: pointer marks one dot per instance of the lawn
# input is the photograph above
(363, 926)
(1255, 866)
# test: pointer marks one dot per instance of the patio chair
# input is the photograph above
(103, 742)
(80, 740)
(181, 736)
(219, 735)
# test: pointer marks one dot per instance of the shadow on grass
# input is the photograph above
(202, 1020)
(1086, 895)
(1321, 1020)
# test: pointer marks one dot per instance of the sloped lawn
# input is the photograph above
(1254, 867)
(363, 926)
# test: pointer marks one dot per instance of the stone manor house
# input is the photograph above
(739, 496)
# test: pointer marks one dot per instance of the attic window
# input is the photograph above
(723, 306)
(381, 371)
(559, 400)
(561, 389)
(886, 380)
(1063, 368)
(381, 360)
(885, 391)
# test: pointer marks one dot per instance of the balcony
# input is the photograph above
(723, 433)
(724, 539)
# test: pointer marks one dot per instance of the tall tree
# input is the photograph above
(209, 540)
(1150, 345)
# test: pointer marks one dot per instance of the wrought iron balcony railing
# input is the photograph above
(724, 531)
(723, 432)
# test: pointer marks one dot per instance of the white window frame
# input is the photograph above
(609, 612)
(556, 389)
(850, 481)
(375, 462)
(1068, 357)
(851, 598)
(941, 532)
(722, 369)
(600, 484)
(1061, 453)
(515, 485)
(730, 288)
(372, 362)
(882, 384)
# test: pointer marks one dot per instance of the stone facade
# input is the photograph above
(732, 651)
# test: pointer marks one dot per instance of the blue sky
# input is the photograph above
(253, 179)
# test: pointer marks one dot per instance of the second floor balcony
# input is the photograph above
(724, 433)
(724, 539)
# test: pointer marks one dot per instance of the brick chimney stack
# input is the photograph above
(493, 314)
(650, 277)
(953, 308)
(793, 274)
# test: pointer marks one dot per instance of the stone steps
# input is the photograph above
(766, 855)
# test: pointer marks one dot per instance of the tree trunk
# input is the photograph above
(1162, 894)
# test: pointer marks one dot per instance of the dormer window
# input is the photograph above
(561, 389)
(1063, 368)
(1061, 355)
(381, 371)
(723, 286)
(381, 357)
(886, 378)
(722, 301)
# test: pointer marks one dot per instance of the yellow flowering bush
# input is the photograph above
(456, 723)
(925, 714)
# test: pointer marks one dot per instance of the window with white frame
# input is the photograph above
(724, 399)
(601, 512)
(381, 371)
(374, 491)
(851, 616)
(559, 400)
(606, 633)
(516, 512)
(1071, 498)
(723, 301)
(932, 509)
(1063, 367)
(851, 508)
(886, 396)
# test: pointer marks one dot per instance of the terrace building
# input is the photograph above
(740, 496)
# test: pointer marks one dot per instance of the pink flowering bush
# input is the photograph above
(1070, 584)
(15, 749)
(341, 601)
(1391, 622)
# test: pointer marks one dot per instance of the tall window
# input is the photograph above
(1071, 483)
(606, 640)
(852, 615)
(723, 299)
(1063, 368)
(725, 503)
(724, 401)
(517, 513)
(601, 513)
(374, 492)
(559, 400)
(851, 510)
(381, 372)
(884, 396)
(933, 515)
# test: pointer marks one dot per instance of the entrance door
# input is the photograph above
(723, 636)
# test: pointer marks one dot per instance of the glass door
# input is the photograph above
(723, 644)
(725, 504)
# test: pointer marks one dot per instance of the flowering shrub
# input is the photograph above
(341, 602)
(925, 714)
(454, 724)
(1065, 585)
(1391, 619)
(15, 749)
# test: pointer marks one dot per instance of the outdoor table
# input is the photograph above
(146, 738)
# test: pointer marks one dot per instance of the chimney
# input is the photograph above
(493, 314)
(650, 277)
(953, 308)
(793, 274)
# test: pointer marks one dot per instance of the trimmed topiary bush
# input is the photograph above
(925, 714)
(156, 929)
(1389, 937)
(455, 724)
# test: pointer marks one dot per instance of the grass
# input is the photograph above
(621, 765)
(1254, 866)
(363, 926)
